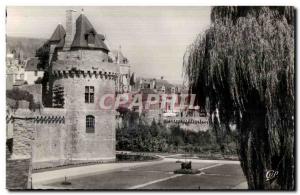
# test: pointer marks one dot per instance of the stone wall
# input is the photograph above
(9, 81)
(61, 142)
(18, 164)
(23, 133)
(74, 90)
(89, 146)
(97, 146)
(189, 123)
(82, 59)
(50, 146)
(18, 175)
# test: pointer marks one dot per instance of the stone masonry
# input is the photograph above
(18, 164)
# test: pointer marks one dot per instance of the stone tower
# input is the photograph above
(80, 75)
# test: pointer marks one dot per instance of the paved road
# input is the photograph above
(159, 175)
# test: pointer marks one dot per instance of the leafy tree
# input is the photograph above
(43, 54)
(154, 129)
(19, 94)
(39, 80)
(245, 64)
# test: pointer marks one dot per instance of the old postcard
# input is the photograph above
(150, 98)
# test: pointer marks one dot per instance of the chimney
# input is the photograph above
(70, 29)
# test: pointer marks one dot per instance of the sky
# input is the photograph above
(154, 39)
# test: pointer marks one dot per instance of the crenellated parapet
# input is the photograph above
(84, 74)
(88, 68)
(50, 120)
(40, 119)
(50, 116)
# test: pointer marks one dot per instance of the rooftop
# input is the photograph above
(32, 64)
(85, 36)
(58, 34)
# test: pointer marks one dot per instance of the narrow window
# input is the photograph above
(90, 124)
(35, 73)
(89, 94)
(86, 94)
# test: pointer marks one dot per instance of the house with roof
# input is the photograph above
(15, 71)
(123, 82)
(14, 76)
(161, 85)
(32, 72)
(23, 74)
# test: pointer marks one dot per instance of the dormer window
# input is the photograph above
(90, 39)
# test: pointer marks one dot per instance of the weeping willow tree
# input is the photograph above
(244, 64)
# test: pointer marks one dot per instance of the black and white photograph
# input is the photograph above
(150, 98)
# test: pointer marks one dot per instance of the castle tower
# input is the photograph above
(81, 75)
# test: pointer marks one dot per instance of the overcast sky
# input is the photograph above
(154, 39)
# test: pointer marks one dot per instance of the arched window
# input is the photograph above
(90, 124)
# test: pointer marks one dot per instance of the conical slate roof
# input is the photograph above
(83, 29)
(58, 34)
(61, 43)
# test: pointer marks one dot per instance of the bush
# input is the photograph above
(18, 95)
(186, 165)
(136, 134)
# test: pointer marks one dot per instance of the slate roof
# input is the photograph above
(83, 28)
(61, 43)
(31, 64)
(58, 34)
(101, 37)
(160, 82)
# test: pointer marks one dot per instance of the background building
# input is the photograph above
(32, 72)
